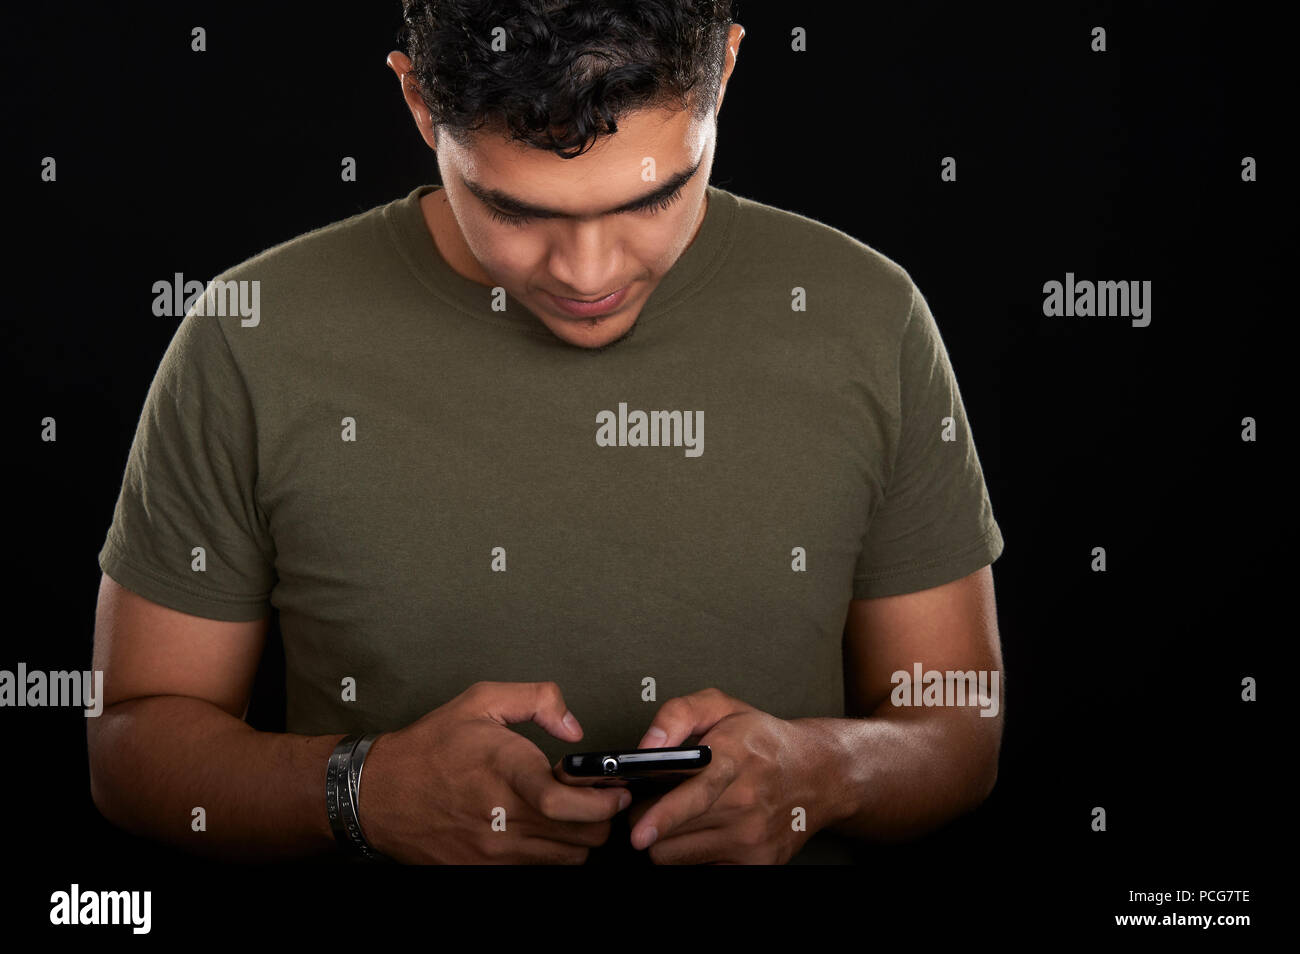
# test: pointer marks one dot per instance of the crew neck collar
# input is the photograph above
(688, 275)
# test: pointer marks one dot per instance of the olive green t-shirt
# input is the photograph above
(433, 489)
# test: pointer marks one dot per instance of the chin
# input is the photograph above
(583, 334)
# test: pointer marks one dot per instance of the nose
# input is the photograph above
(586, 260)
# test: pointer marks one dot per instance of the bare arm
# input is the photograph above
(172, 738)
(902, 771)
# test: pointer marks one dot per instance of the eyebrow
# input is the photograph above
(513, 206)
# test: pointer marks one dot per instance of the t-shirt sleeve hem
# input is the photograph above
(913, 577)
(178, 596)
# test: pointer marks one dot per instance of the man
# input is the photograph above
(463, 455)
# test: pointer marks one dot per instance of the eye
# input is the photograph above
(506, 218)
(662, 203)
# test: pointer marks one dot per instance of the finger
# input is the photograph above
(693, 714)
(540, 702)
(545, 851)
(705, 822)
(508, 821)
(560, 802)
(639, 807)
(522, 821)
(582, 834)
(711, 846)
(691, 798)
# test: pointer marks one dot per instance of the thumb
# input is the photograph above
(539, 702)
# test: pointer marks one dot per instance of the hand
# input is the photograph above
(738, 809)
(429, 791)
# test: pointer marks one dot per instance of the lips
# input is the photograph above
(591, 309)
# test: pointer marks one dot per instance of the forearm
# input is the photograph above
(154, 760)
(904, 771)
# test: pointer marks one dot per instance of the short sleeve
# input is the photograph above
(190, 483)
(935, 523)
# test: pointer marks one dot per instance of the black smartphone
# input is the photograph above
(639, 768)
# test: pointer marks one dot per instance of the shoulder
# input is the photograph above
(297, 290)
(318, 251)
(859, 298)
(798, 242)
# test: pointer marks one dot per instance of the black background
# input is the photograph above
(1124, 686)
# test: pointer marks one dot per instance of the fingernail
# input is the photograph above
(653, 739)
(624, 800)
(570, 722)
(649, 837)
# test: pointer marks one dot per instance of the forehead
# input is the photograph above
(660, 140)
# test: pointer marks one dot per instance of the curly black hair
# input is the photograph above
(568, 69)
